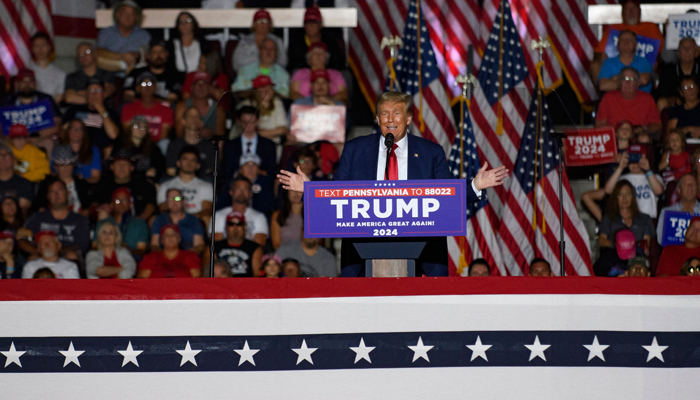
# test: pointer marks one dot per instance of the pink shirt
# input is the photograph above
(303, 76)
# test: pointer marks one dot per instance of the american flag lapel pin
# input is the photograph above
(415, 155)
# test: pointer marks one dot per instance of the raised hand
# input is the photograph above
(485, 179)
(293, 181)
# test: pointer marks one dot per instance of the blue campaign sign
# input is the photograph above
(35, 116)
(675, 224)
(385, 208)
(646, 47)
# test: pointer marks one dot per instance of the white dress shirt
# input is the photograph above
(253, 144)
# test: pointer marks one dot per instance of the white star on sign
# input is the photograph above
(596, 349)
(537, 349)
(12, 355)
(420, 350)
(304, 353)
(71, 355)
(130, 355)
(188, 355)
(362, 352)
(246, 354)
(478, 349)
(655, 351)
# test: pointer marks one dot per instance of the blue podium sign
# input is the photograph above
(385, 208)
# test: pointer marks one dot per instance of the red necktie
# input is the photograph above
(393, 164)
(248, 147)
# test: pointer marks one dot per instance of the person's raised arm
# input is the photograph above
(612, 181)
(486, 179)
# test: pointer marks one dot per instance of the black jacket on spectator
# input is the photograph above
(670, 78)
(233, 150)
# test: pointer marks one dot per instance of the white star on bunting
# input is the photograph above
(246, 354)
(596, 349)
(71, 355)
(130, 355)
(304, 353)
(420, 350)
(537, 349)
(12, 355)
(479, 349)
(655, 351)
(362, 352)
(188, 355)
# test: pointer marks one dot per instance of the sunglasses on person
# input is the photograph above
(692, 270)
(235, 224)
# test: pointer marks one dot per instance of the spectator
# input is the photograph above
(272, 266)
(80, 196)
(286, 223)
(77, 83)
(187, 45)
(148, 160)
(319, 93)
(675, 159)
(686, 117)
(49, 78)
(213, 114)
(158, 116)
(242, 255)
(306, 160)
(11, 184)
(327, 157)
(192, 137)
(191, 230)
(273, 123)
(608, 80)
(73, 229)
(26, 94)
(30, 162)
(110, 260)
(211, 64)
(264, 66)
(256, 224)
(119, 47)
(540, 267)
(197, 193)
(143, 192)
(672, 74)
(313, 34)
(637, 267)
(171, 262)
(101, 121)
(648, 186)
(87, 157)
(691, 267)
(247, 48)
(10, 261)
(263, 192)
(688, 190)
(317, 58)
(120, 213)
(11, 218)
(44, 273)
(167, 81)
(314, 260)
(48, 251)
(673, 256)
(222, 270)
(630, 104)
(291, 268)
(479, 268)
(249, 142)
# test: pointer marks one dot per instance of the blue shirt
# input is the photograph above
(613, 66)
(85, 170)
(110, 39)
(189, 226)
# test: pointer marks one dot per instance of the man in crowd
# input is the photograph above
(479, 267)
(314, 260)
(11, 184)
(119, 46)
(638, 267)
(265, 66)
(214, 115)
(192, 125)
(76, 85)
(673, 256)
(257, 228)
(670, 77)
(48, 251)
(168, 80)
(608, 79)
(291, 268)
(80, 193)
(540, 267)
(100, 120)
(688, 190)
(243, 256)
(144, 192)
(197, 192)
(159, 117)
(250, 142)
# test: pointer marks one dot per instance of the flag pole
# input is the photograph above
(466, 81)
(501, 50)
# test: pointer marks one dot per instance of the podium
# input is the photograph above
(390, 222)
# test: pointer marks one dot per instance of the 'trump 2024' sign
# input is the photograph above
(385, 208)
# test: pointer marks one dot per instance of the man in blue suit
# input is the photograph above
(412, 157)
(249, 141)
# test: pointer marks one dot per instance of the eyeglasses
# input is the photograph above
(185, 21)
(235, 224)
(117, 201)
(262, 21)
(95, 90)
(145, 84)
(4, 156)
(691, 86)
(85, 53)
(141, 127)
(629, 79)
(176, 198)
(692, 270)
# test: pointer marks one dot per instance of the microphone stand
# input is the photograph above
(389, 143)
(562, 243)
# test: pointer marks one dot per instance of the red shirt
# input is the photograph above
(672, 259)
(111, 262)
(641, 110)
(156, 116)
(178, 267)
(679, 164)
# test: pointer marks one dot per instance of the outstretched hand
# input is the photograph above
(485, 179)
(293, 181)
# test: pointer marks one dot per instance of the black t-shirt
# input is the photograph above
(685, 117)
(94, 123)
(206, 156)
(170, 81)
(87, 193)
(74, 230)
(670, 78)
(78, 80)
(144, 192)
(239, 258)
(16, 187)
(143, 161)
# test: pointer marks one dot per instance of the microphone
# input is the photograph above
(389, 143)
(389, 140)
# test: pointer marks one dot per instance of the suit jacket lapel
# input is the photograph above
(414, 154)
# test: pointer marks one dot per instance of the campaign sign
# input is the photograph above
(646, 47)
(675, 224)
(312, 123)
(590, 146)
(385, 208)
(35, 116)
(681, 26)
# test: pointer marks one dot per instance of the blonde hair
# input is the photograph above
(667, 146)
(394, 97)
(117, 234)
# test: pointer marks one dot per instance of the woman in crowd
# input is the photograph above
(80, 192)
(171, 262)
(272, 266)
(247, 48)
(11, 261)
(88, 160)
(686, 117)
(191, 230)
(187, 44)
(148, 160)
(49, 78)
(317, 57)
(111, 260)
(287, 223)
(12, 219)
(691, 267)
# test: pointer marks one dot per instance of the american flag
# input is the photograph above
(19, 20)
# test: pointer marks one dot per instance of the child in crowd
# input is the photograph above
(675, 158)
(272, 266)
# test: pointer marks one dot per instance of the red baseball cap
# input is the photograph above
(41, 234)
(317, 46)
(262, 81)
(329, 157)
(262, 14)
(319, 73)
(313, 14)
(201, 76)
(625, 244)
(6, 234)
(169, 226)
(235, 215)
(122, 190)
(25, 73)
(18, 130)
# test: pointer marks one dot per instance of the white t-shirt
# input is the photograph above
(195, 192)
(255, 222)
(63, 269)
(646, 199)
(191, 56)
(50, 80)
